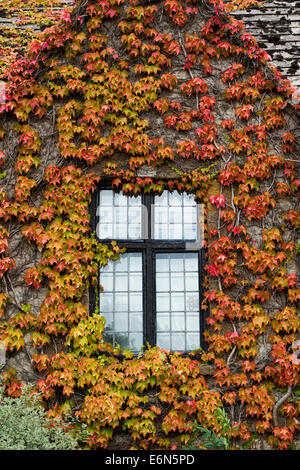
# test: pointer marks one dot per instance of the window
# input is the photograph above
(152, 294)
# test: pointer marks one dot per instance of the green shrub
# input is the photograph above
(25, 426)
(208, 438)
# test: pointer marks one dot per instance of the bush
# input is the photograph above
(209, 439)
(25, 426)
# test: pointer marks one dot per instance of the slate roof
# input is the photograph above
(276, 27)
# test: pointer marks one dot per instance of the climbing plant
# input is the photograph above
(21, 22)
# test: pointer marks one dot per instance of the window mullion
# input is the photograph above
(203, 313)
(149, 314)
(149, 286)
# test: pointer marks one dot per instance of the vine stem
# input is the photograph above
(279, 403)
(231, 356)
(189, 71)
(7, 279)
(233, 349)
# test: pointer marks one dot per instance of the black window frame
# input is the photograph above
(149, 248)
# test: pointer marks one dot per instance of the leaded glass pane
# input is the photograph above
(162, 264)
(135, 341)
(164, 340)
(175, 231)
(177, 301)
(163, 321)
(121, 282)
(176, 262)
(107, 279)
(135, 282)
(121, 303)
(162, 282)
(162, 301)
(175, 217)
(135, 321)
(178, 321)
(135, 263)
(177, 340)
(120, 216)
(192, 341)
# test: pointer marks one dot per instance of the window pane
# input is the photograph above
(119, 199)
(178, 321)
(120, 231)
(121, 321)
(193, 322)
(121, 264)
(106, 198)
(121, 303)
(188, 199)
(134, 214)
(192, 301)
(190, 215)
(161, 232)
(162, 282)
(190, 231)
(105, 216)
(135, 321)
(175, 231)
(163, 199)
(121, 282)
(120, 338)
(192, 281)
(177, 301)
(162, 263)
(163, 321)
(135, 341)
(136, 302)
(107, 279)
(178, 341)
(104, 230)
(120, 216)
(135, 282)
(175, 217)
(192, 341)
(164, 341)
(175, 199)
(134, 231)
(108, 268)
(109, 322)
(177, 282)
(135, 262)
(176, 262)
(107, 302)
(191, 262)
(162, 302)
